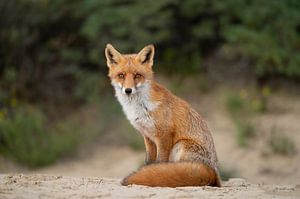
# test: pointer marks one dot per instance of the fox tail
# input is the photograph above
(175, 174)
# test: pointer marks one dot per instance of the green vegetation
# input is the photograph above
(238, 109)
(242, 107)
(26, 138)
(235, 104)
(281, 144)
(32, 138)
(38, 133)
(245, 131)
(265, 33)
(249, 101)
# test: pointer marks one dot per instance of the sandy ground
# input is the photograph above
(46, 186)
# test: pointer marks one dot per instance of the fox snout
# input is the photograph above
(129, 91)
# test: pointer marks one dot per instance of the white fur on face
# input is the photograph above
(137, 107)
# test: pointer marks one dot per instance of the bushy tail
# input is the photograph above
(176, 174)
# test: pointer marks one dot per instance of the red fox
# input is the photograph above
(179, 147)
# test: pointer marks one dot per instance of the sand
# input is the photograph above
(48, 186)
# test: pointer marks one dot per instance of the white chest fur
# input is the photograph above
(137, 109)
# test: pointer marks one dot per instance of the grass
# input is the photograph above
(248, 101)
(245, 131)
(235, 104)
(240, 110)
(281, 144)
(242, 106)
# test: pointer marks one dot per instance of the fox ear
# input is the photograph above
(145, 56)
(112, 55)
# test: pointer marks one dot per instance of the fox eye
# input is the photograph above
(121, 76)
(137, 76)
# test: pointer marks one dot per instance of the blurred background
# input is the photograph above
(236, 62)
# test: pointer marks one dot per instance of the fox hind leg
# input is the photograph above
(188, 151)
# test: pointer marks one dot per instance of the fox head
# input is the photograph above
(130, 73)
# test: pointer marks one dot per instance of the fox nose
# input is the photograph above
(128, 91)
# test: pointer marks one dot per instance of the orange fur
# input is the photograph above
(174, 175)
(178, 142)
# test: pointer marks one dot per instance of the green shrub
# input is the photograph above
(267, 33)
(26, 137)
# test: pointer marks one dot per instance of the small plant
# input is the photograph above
(235, 104)
(240, 111)
(281, 144)
(260, 100)
(243, 106)
(245, 132)
(248, 102)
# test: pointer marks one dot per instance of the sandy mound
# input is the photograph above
(46, 186)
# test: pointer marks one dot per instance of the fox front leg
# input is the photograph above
(163, 147)
(150, 151)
